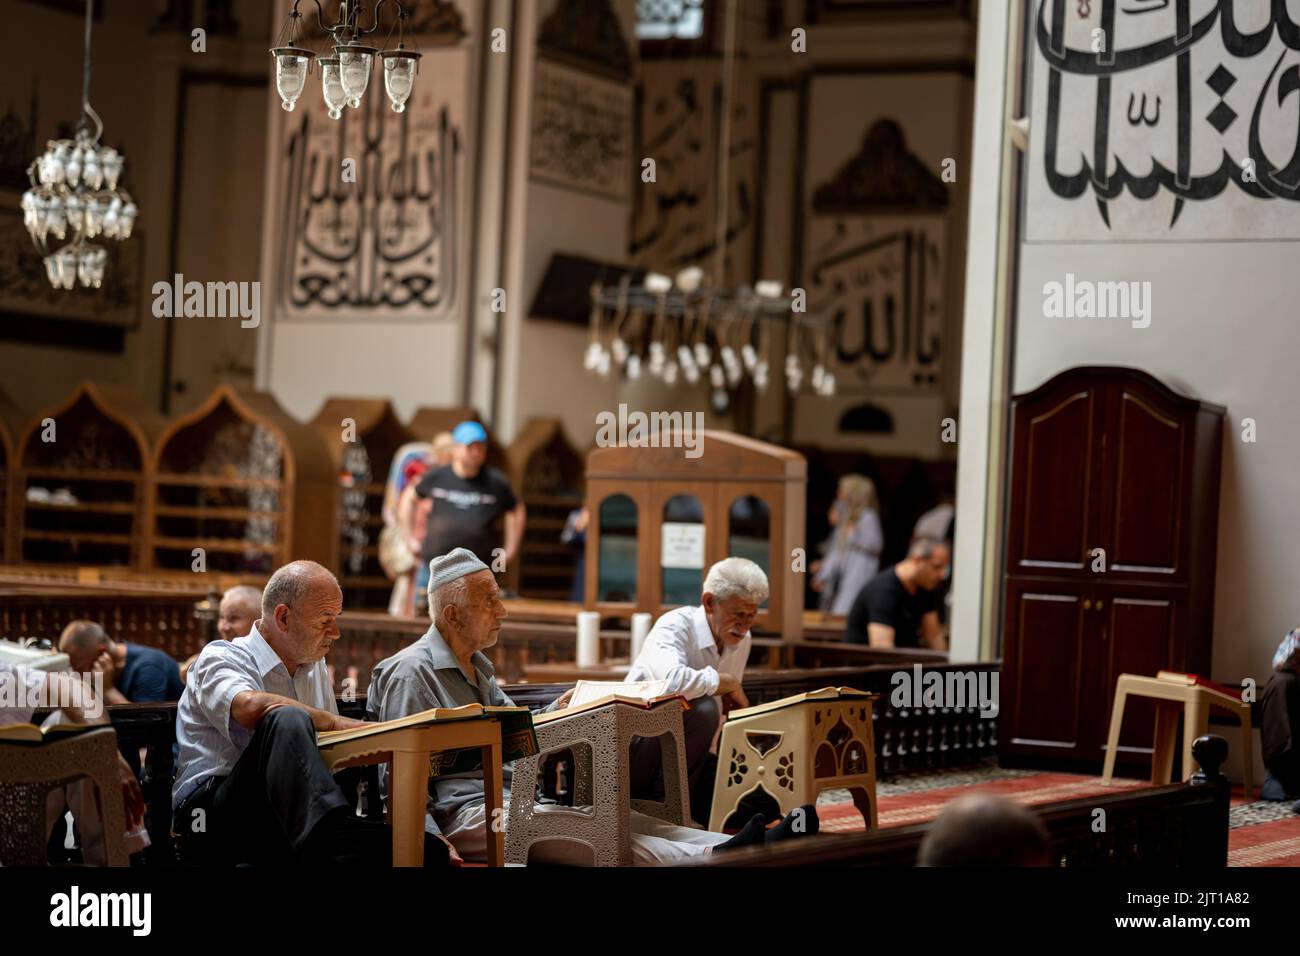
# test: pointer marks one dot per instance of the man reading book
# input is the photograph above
(700, 652)
(250, 785)
(447, 668)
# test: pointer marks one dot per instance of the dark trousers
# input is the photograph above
(1280, 725)
(278, 805)
(700, 723)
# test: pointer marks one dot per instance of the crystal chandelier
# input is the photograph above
(74, 197)
(675, 328)
(345, 75)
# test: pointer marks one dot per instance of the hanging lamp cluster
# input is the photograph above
(345, 76)
(75, 197)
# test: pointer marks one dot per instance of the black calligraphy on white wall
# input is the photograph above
(877, 266)
(1168, 119)
(582, 131)
(674, 219)
(386, 244)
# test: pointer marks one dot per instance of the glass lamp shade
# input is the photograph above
(354, 70)
(96, 209)
(72, 168)
(51, 166)
(74, 209)
(111, 162)
(291, 67)
(90, 266)
(67, 260)
(126, 220)
(400, 67)
(332, 86)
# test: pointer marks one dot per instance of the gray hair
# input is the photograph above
(290, 584)
(455, 593)
(737, 577)
(244, 594)
(83, 635)
(924, 547)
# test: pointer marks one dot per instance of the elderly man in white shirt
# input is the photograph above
(250, 784)
(701, 652)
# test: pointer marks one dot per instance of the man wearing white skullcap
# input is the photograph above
(446, 668)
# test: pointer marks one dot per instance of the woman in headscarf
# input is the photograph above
(853, 557)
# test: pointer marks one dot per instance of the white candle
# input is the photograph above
(640, 630)
(588, 638)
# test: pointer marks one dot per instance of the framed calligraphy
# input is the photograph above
(582, 131)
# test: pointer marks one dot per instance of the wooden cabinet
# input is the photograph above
(1111, 537)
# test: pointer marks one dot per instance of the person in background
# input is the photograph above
(406, 521)
(240, 606)
(938, 524)
(574, 536)
(899, 607)
(132, 673)
(468, 498)
(1280, 710)
(985, 830)
(853, 557)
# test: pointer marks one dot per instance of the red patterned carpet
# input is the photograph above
(1261, 834)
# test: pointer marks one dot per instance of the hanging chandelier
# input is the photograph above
(74, 196)
(671, 328)
(345, 75)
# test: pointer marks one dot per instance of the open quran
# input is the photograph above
(518, 738)
(594, 694)
(825, 693)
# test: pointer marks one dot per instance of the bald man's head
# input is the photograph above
(83, 641)
(985, 830)
(300, 608)
(241, 606)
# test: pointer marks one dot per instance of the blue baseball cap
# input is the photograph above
(467, 433)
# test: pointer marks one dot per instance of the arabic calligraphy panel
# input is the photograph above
(388, 244)
(582, 131)
(1164, 120)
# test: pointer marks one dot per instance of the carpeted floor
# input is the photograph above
(1261, 834)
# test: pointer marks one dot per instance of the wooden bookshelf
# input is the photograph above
(242, 479)
(361, 467)
(546, 473)
(12, 420)
(87, 484)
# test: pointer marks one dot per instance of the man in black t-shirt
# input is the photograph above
(132, 673)
(468, 498)
(899, 606)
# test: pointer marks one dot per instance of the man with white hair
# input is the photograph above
(447, 668)
(701, 652)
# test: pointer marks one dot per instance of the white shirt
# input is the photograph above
(680, 649)
(209, 739)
